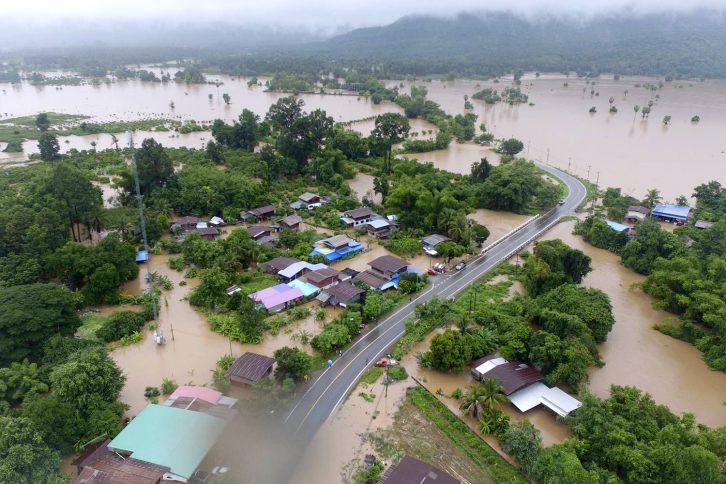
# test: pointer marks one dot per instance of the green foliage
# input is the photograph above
(516, 187)
(87, 375)
(25, 458)
(120, 324)
(397, 373)
(403, 246)
(48, 147)
(371, 475)
(552, 264)
(523, 441)
(390, 128)
(598, 233)
(168, 386)
(371, 375)
(176, 263)
(511, 146)
(21, 380)
(29, 315)
(243, 133)
(650, 243)
(452, 350)
(151, 392)
(376, 305)
(292, 363)
(59, 423)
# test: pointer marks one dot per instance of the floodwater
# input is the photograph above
(191, 355)
(620, 149)
(362, 186)
(498, 223)
(672, 371)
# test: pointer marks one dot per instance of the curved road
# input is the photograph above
(327, 392)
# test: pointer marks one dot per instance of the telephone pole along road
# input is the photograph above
(333, 385)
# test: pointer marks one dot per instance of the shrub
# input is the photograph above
(168, 386)
(119, 325)
(151, 392)
(397, 373)
(176, 263)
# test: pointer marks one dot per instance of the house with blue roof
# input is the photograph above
(337, 247)
(671, 213)
(617, 226)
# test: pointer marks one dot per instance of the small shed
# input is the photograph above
(258, 231)
(209, 233)
(216, 221)
(636, 213)
(431, 241)
(380, 228)
(142, 256)
(702, 224)
(262, 213)
(291, 222)
(250, 368)
(273, 266)
(559, 402)
(617, 227)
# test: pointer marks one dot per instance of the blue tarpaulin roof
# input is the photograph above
(616, 226)
(142, 256)
(677, 212)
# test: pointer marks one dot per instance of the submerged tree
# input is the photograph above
(667, 120)
(48, 146)
(226, 97)
(652, 197)
(42, 122)
(390, 129)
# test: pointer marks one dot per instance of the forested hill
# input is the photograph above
(685, 44)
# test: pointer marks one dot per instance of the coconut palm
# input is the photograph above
(652, 197)
(470, 400)
(491, 396)
(636, 108)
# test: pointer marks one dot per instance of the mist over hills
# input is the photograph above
(680, 44)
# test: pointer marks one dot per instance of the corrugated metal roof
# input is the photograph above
(414, 471)
(559, 402)
(514, 375)
(169, 437)
(204, 393)
(250, 366)
(306, 288)
(388, 264)
(528, 397)
(665, 210)
(616, 226)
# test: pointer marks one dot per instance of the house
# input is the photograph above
(356, 217)
(636, 213)
(373, 280)
(431, 241)
(258, 231)
(305, 287)
(414, 471)
(513, 375)
(259, 213)
(250, 368)
(323, 278)
(347, 274)
(203, 399)
(186, 223)
(309, 201)
(209, 233)
(380, 228)
(169, 437)
(293, 271)
(671, 213)
(702, 224)
(277, 298)
(291, 222)
(102, 466)
(388, 266)
(273, 266)
(342, 294)
(336, 247)
(540, 394)
(481, 366)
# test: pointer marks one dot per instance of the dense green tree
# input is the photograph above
(480, 170)
(652, 198)
(251, 319)
(24, 456)
(21, 380)
(292, 363)
(214, 151)
(29, 315)
(560, 464)
(154, 166)
(87, 375)
(226, 97)
(211, 291)
(598, 233)
(651, 242)
(285, 112)
(83, 201)
(452, 350)
(49, 147)
(42, 122)
(59, 423)
(390, 128)
(511, 146)
(120, 324)
(243, 133)
(523, 441)
(591, 306)
(516, 187)
(552, 264)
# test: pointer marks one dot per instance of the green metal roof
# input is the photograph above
(171, 437)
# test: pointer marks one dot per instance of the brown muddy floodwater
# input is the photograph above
(362, 186)
(191, 356)
(626, 151)
(672, 371)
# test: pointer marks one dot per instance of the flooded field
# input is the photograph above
(618, 149)
(362, 186)
(636, 354)
(624, 149)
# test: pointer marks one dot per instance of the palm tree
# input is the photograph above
(470, 401)
(491, 396)
(636, 108)
(652, 197)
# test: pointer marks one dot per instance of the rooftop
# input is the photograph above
(293, 269)
(434, 240)
(276, 295)
(187, 220)
(142, 256)
(344, 291)
(671, 211)
(358, 213)
(514, 375)
(414, 471)
(373, 280)
(208, 231)
(320, 275)
(702, 224)
(251, 366)
(388, 264)
(278, 263)
(291, 220)
(337, 241)
(617, 226)
(307, 197)
(379, 223)
(638, 209)
(258, 230)
(304, 286)
(267, 209)
(203, 393)
(109, 468)
(169, 437)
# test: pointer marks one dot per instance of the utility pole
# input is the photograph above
(597, 180)
(569, 162)
(548, 156)
(142, 222)
(588, 172)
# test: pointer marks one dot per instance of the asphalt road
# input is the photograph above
(324, 395)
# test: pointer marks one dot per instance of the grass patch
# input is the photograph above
(368, 397)
(90, 323)
(481, 455)
(371, 376)
(258, 281)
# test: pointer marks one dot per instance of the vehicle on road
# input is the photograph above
(561, 202)
(460, 266)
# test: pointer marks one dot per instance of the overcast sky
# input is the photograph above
(315, 13)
